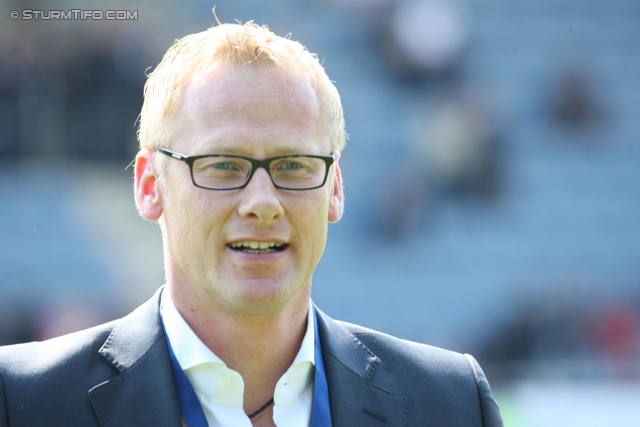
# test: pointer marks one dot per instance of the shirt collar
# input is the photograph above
(209, 375)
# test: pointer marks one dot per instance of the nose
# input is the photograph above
(260, 199)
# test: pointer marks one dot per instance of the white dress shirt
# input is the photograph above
(220, 390)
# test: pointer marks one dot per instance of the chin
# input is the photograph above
(264, 293)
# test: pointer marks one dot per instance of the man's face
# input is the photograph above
(257, 113)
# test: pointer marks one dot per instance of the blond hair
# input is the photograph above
(233, 44)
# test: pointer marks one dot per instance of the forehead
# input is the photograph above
(242, 108)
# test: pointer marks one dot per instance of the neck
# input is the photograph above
(260, 346)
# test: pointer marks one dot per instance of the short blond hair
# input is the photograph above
(233, 44)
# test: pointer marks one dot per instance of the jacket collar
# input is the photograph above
(350, 368)
(144, 393)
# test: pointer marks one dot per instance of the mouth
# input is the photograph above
(253, 247)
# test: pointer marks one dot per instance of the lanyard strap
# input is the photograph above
(193, 414)
(320, 413)
(188, 402)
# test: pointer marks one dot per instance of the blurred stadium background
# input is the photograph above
(492, 178)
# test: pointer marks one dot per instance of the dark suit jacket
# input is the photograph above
(119, 375)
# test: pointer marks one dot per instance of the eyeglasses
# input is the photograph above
(229, 172)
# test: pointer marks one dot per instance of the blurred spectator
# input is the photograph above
(426, 38)
(575, 103)
(616, 331)
(22, 322)
(456, 143)
(517, 338)
(402, 199)
(74, 87)
(560, 327)
(369, 7)
(103, 103)
(17, 322)
(57, 320)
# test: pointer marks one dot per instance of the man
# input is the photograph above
(240, 137)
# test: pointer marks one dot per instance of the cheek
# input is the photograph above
(312, 217)
(185, 217)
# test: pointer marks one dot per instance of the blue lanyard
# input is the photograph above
(194, 415)
(187, 399)
(320, 412)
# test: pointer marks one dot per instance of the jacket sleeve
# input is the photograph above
(490, 411)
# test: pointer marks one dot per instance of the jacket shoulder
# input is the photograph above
(49, 380)
(73, 379)
(39, 357)
(391, 349)
(440, 381)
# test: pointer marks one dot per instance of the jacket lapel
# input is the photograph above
(350, 367)
(144, 393)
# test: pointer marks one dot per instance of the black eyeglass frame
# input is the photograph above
(255, 164)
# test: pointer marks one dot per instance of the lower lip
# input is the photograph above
(260, 257)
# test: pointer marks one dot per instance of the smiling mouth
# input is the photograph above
(257, 247)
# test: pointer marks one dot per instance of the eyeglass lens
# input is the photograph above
(220, 172)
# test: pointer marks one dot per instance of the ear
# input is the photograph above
(147, 187)
(336, 203)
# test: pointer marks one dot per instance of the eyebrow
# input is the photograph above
(245, 149)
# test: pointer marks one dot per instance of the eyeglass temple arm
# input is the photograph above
(173, 154)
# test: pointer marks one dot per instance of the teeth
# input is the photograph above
(255, 245)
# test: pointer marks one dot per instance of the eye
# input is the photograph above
(291, 164)
(222, 165)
